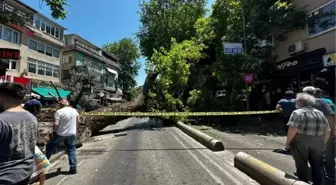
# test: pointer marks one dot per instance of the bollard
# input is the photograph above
(208, 141)
(262, 172)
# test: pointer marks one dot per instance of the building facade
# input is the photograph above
(40, 42)
(106, 66)
(307, 56)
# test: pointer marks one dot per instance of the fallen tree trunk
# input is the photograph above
(97, 123)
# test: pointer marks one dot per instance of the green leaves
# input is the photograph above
(174, 69)
(128, 53)
(165, 19)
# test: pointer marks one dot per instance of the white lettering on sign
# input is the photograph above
(287, 64)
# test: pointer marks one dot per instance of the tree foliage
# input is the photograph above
(128, 53)
(57, 8)
(163, 20)
(174, 68)
(214, 71)
(82, 80)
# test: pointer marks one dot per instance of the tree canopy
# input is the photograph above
(128, 53)
(171, 27)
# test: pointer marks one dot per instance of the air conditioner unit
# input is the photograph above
(295, 48)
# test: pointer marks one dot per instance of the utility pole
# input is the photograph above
(244, 29)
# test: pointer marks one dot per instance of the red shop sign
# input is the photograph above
(6, 53)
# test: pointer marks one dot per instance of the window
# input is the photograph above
(48, 70)
(41, 48)
(42, 25)
(32, 45)
(31, 65)
(48, 51)
(67, 41)
(61, 34)
(15, 37)
(13, 65)
(57, 33)
(7, 34)
(41, 68)
(56, 71)
(37, 22)
(70, 59)
(322, 20)
(48, 28)
(56, 53)
(65, 74)
(52, 30)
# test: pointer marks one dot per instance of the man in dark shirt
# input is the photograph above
(33, 106)
(18, 132)
(286, 106)
(330, 147)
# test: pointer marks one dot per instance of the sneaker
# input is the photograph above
(72, 171)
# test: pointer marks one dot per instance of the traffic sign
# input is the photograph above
(233, 48)
(248, 78)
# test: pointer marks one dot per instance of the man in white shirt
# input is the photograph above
(65, 129)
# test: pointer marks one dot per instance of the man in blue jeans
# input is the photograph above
(65, 127)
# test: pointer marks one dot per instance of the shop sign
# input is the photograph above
(232, 48)
(287, 64)
(6, 78)
(6, 53)
(329, 60)
(312, 59)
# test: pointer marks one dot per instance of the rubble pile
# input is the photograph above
(90, 125)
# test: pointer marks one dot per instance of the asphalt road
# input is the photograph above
(259, 146)
(148, 155)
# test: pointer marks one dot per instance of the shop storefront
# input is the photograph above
(294, 74)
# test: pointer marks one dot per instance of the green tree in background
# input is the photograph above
(57, 8)
(162, 20)
(128, 53)
(225, 72)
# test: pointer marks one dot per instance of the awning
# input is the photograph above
(45, 92)
(112, 71)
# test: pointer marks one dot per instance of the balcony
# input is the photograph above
(80, 47)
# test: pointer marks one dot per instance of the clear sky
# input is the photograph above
(100, 21)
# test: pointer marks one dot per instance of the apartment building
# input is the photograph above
(105, 65)
(39, 43)
(307, 56)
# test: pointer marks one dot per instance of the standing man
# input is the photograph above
(33, 106)
(330, 148)
(286, 106)
(65, 127)
(18, 132)
(307, 135)
(330, 153)
(319, 94)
